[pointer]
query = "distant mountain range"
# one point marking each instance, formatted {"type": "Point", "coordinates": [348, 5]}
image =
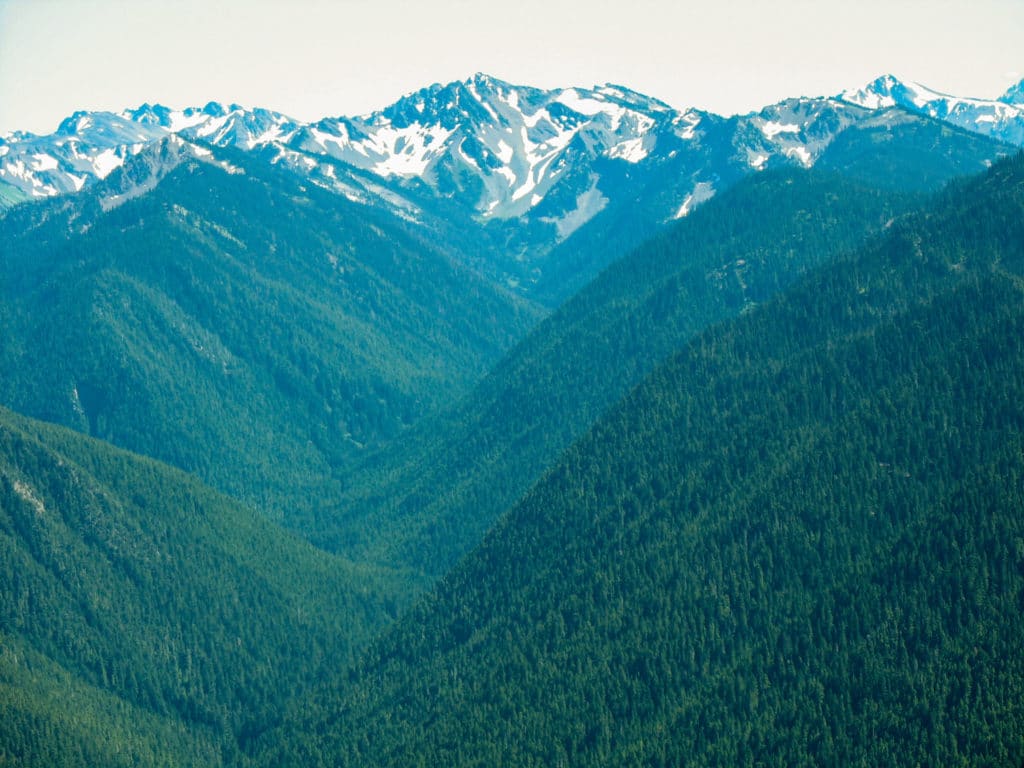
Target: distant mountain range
{"type": "Point", "coordinates": [509, 145]}
{"type": "Point", "coordinates": [526, 167]}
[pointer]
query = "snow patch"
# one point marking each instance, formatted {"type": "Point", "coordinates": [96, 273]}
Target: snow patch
{"type": "Point", "coordinates": [526, 188]}
{"type": "Point", "coordinates": [756, 160]}
{"type": "Point", "coordinates": [512, 99]}
{"type": "Point", "coordinates": [405, 152]}
{"type": "Point", "coordinates": [771, 129]}
{"type": "Point", "coordinates": [44, 163]}
{"type": "Point", "coordinates": [179, 121]}
{"type": "Point", "coordinates": [868, 99]}
{"type": "Point", "coordinates": [631, 150]}
{"type": "Point", "coordinates": [105, 162]}
{"type": "Point", "coordinates": [506, 173]}
{"type": "Point", "coordinates": [212, 126]}
{"type": "Point", "coordinates": [531, 121]}
{"type": "Point", "coordinates": [686, 125]}
{"type": "Point", "coordinates": [702, 192]}
{"type": "Point", "coordinates": [504, 152]}
{"type": "Point", "coordinates": [588, 205]}
{"type": "Point", "coordinates": [15, 169]}
{"type": "Point", "coordinates": [799, 153]}
{"type": "Point", "coordinates": [229, 167]}
{"type": "Point", "coordinates": [572, 99]}
{"type": "Point", "coordinates": [584, 106]}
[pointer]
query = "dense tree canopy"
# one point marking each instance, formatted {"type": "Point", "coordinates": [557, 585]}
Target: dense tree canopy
{"type": "Point", "coordinates": [243, 327]}
{"type": "Point", "coordinates": [147, 620]}
{"type": "Point", "coordinates": [429, 500]}
{"type": "Point", "coordinates": [798, 542]}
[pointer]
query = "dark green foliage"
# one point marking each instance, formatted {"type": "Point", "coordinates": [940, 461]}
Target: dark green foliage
{"type": "Point", "coordinates": [798, 542]}
{"type": "Point", "coordinates": [146, 618]}
{"type": "Point", "coordinates": [50, 717]}
{"type": "Point", "coordinates": [239, 326]}
{"type": "Point", "coordinates": [897, 150]}
{"type": "Point", "coordinates": [431, 499]}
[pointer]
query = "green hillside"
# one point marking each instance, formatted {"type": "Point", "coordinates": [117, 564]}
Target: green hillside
{"type": "Point", "coordinates": [240, 326]}
{"type": "Point", "coordinates": [430, 499]}
{"type": "Point", "coordinates": [798, 542]}
{"type": "Point", "coordinates": [898, 150]}
{"type": "Point", "coordinates": [147, 620]}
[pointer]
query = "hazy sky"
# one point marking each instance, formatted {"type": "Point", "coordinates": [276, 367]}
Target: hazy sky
{"type": "Point", "coordinates": [314, 58]}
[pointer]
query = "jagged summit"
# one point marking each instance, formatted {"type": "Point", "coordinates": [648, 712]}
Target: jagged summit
{"type": "Point", "coordinates": [878, 94]}
{"type": "Point", "coordinates": [447, 105]}
{"type": "Point", "coordinates": [76, 122]}
{"type": "Point", "coordinates": [628, 96]}
{"type": "Point", "coordinates": [891, 91]}
{"type": "Point", "coordinates": [500, 147]}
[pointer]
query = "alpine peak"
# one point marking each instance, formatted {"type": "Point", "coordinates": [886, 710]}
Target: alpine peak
{"type": "Point", "coordinates": [881, 93]}
{"type": "Point", "coordinates": [1002, 119]}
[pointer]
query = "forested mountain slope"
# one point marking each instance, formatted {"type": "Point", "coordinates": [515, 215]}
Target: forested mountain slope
{"type": "Point", "coordinates": [146, 620]}
{"type": "Point", "coordinates": [219, 315]}
{"type": "Point", "coordinates": [429, 499]}
{"type": "Point", "coordinates": [798, 542]}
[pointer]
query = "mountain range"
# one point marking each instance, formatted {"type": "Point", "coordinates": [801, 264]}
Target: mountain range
{"type": "Point", "coordinates": [509, 145]}
{"type": "Point", "coordinates": [524, 168]}
{"type": "Point", "coordinates": [508, 426]}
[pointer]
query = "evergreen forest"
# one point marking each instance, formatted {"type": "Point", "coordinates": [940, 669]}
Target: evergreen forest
{"type": "Point", "coordinates": [799, 541]}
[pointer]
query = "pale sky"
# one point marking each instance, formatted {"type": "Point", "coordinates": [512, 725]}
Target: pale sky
{"type": "Point", "coordinates": [317, 58]}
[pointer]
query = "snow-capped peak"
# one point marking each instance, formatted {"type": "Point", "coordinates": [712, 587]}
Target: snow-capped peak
{"type": "Point", "coordinates": [484, 83]}
{"type": "Point", "coordinates": [75, 123]}
{"type": "Point", "coordinates": [446, 105]}
{"type": "Point", "coordinates": [515, 141]}
{"type": "Point", "coordinates": [142, 172]}
{"type": "Point", "coordinates": [882, 93]}
{"type": "Point", "coordinates": [171, 119]}
{"type": "Point", "coordinates": [1002, 119]}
